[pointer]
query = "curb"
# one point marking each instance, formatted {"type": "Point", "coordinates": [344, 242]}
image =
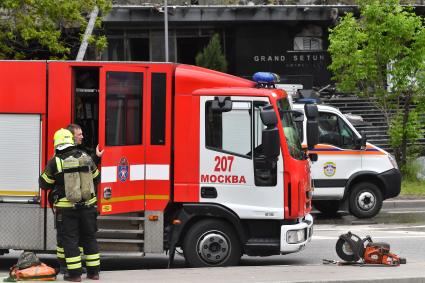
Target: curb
{"type": "Point", "coordinates": [373, 280]}
{"type": "Point", "coordinates": [413, 203]}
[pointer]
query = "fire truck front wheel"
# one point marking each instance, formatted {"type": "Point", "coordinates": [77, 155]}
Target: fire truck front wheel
{"type": "Point", "coordinates": [365, 200]}
{"type": "Point", "coordinates": [211, 243]}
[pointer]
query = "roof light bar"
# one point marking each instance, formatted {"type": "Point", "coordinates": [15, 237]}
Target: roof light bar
{"type": "Point", "coordinates": [266, 79]}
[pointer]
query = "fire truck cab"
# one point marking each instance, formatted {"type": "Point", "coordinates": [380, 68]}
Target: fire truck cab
{"type": "Point", "coordinates": [194, 158]}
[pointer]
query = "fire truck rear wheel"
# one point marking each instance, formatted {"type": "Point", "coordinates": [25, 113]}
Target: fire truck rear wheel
{"type": "Point", "coordinates": [365, 200]}
{"type": "Point", "coordinates": [211, 243]}
{"type": "Point", "coordinates": [327, 207]}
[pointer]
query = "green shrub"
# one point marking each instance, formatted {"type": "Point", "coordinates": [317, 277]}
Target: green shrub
{"type": "Point", "coordinates": [212, 57]}
{"type": "Point", "coordinates": [410, 170]}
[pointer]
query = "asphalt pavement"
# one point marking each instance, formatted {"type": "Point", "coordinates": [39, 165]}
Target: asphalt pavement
{"type": "Point", "coordinates": [410, 272]}
{"type": "Point", "coordinates": [407, 273]}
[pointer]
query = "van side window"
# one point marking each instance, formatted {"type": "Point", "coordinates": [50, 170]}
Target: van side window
{"type": "Point", "coordinates": [347, 135]}
{"type": "Point", "coordinates": [229, 131]}
{"type": "Point", "coordinates": [124, 96]}
{"type": "Point", "coordinates": [334, 131]}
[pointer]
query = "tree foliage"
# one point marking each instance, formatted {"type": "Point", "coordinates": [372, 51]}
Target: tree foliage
{"type": "Point", "coordinates": [212, 57]}
{"type": "Point", "coordinates": [381, 55]}
{"type": "Point", "coordinates": [42, 29]}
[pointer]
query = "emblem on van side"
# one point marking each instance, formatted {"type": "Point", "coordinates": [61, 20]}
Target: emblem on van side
{"type": "Point", "coordinates": [123, 169]}
{"type": "Point", "coordinates": [329, 169]}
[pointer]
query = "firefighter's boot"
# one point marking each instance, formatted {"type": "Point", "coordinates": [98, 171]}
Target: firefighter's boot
{"type": "Point", "coordinates": [70, 278]}
{"type": "Point", "coordinates": [93, 276]}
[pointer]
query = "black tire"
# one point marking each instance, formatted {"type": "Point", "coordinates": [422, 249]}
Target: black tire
{"type": "Point", "coordinates": [327, 207]}
{"type": "Point", "coordinates": [351, 250]}
{"type": "Point", "coordinates": [211, 243]}
{"type": "Point", "coordinates": [365, 200]}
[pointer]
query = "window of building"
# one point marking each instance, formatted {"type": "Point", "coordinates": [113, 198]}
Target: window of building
{"type": "Point", "coordinates": [116, 49]}
{"type": "Point", "coordinates": [139, 49]}
{"type": "Point", "coordinates": [307, 43]}
{"type": "Point", "coordinates": [188, 48]}
{"type": "Point", "coordinates": [124, 99]}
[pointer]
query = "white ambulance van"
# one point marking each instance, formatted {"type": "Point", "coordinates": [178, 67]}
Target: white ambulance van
{"type": "Point", "coordinates": [349, 174]}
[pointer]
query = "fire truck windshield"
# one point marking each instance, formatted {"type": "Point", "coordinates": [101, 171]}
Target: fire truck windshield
{"type": "Point", "coordinates": [290, 130]}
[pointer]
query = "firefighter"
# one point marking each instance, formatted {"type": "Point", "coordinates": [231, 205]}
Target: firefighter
{"type": "Point", "coordinates": [96, 155]}
{"type": "Point", "coordinates": [76, 130]}
{"type": "Point", "coordinates": [72, 184]}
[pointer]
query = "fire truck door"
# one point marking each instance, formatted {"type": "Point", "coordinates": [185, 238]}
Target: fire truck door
{"type": "Point", "coordinates": [230, 162]}
{"type": "Point", "coordinates": [122, 136]}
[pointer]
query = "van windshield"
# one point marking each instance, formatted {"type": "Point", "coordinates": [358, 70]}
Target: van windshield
{"type": "Point", "coordinates": [290, 130]}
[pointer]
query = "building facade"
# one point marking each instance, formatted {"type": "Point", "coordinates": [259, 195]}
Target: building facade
{"type": "Point", "coordinates": [290, 40]}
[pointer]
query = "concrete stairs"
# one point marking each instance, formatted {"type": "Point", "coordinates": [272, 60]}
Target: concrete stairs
{"type": "Point", "coordinates": [374, 125]}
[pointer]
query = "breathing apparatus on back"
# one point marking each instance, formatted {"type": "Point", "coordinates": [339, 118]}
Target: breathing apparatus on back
{"type": "Point", "coordinates": [76, 168]}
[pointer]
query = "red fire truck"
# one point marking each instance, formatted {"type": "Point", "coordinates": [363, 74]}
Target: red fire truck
{"type": "Point", "coordinates": [194, 159]}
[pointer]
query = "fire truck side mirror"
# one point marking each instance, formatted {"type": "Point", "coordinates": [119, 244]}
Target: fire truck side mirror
{"type": "Point", "coordinates": [311, 112]}
{"type": "Point", "coordinates": [271, 143]}
{"type": "Point", "coordinates": [221, 104]}
{"type": "Point", "coordinates": [270, 134]}
{"type": "Point", "coordinates": [312, 134]}
{"type": "Point", "coordinates": [268, 116]}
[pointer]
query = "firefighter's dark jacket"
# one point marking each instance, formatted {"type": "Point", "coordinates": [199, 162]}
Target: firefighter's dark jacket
{"type": "Point", "coordinates": [53, 179]}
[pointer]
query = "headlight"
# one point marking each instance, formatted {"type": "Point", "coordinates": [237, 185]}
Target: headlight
{"type": "Point", "coordinates": [296, 236]}
{"type": "Point", "coordinates": [392, 160]}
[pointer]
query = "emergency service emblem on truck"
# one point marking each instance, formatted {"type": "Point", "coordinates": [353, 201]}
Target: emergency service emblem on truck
{"type": "Point", "coordinates": [123, 169]}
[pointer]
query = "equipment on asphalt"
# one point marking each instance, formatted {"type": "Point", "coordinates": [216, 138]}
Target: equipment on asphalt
{"type": "Point", "coordinates": [29, 267]}
{"type": "Point", "coordinates": [352, 249]}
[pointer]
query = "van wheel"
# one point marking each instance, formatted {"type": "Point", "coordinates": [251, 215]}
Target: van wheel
{"type": "Point", "coordinates": [365, 200]}
{"type": "Point", "coordinates": [211, 243]}
{"type": "Point", "coordinates": [327, 207]}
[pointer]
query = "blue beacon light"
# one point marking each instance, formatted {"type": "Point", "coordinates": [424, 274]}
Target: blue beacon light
{"type": "Point", "coordinates": [265, 79]}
